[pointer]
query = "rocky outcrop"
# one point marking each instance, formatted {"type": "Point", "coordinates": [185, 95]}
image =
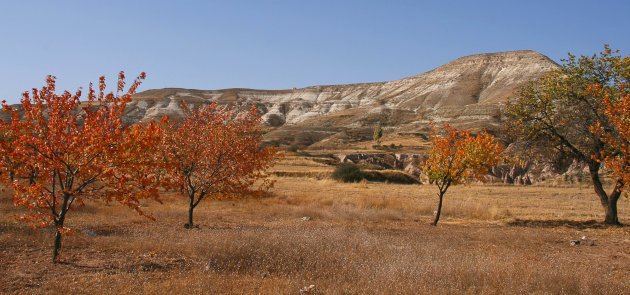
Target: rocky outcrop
{"type": "Point", "coordinates": [408, 162]}
{"type": "Point", "coordinates": [525, 173]}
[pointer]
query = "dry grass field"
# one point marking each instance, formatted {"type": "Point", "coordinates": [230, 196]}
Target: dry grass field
{"type": "Point", "coordinates": [359, 238]}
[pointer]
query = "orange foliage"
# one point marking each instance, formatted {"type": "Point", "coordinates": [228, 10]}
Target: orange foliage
{"type": "Point", "coordinates": [59, 151]}
{"type": "Point", "coordinates": [617, 112]}
{"type": "Point", "coordinates": [215, 153]}
{"type": "Point", "coordinates": [458, 158]}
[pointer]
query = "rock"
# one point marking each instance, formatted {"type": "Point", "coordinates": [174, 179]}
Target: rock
{"type": "Point", "coordinates": [307, 289]}
{"type": "Point", "coordinates": [307, 218]}
{"type": "Point", "coordinates": [582, 242]}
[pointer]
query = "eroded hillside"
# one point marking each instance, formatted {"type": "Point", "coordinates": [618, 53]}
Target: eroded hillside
{"type": "Point", "coordinates": [468, 93]}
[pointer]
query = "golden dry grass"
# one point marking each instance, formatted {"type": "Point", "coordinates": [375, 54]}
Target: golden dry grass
{"type": "Point", "coordinates": [364, 238]}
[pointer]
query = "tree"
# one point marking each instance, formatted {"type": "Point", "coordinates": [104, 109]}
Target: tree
{"type": "Point", "coordinates": [459, 158]}
{"type": "Point", "coordinates": [554, 115]}
{"type": "Point", "coordinates": [378, 133]}
{"type": "Point", "coordinates": [59, 151]}
{"type": "Point", "coordinates": [617, 111]}
{"type": "Point", "coordinates": [215, 153]}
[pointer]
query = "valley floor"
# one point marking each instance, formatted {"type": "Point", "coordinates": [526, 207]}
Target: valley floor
{"type": "Point", "coordinates": [359, 238]}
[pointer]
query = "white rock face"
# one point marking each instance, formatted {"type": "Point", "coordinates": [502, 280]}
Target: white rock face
{"type": "Point", "coordinates": [484, 79]}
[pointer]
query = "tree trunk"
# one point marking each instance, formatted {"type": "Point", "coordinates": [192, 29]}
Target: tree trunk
{"type": "Point", "coordinates": [439, 210]}
{"type": "Point", "coordinates": [56, 246]}
{"type": "Point", "coordinates": [190, 217]}
{"type": "Point", "coordinates": [608, 201]}
{"type": "Point", "coordinates": [611, 213]}
{"type": "Point", "coordinates": [191, 207]}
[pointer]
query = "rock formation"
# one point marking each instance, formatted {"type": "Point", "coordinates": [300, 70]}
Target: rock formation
{"type": "Point", "coordinates": [468, 92]}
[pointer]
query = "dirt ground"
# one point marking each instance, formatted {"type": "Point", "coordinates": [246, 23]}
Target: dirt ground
{"type": "Point", "coordinates": [360, 238]}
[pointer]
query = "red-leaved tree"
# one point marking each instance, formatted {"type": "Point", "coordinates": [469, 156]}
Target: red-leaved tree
{"type": "Point", "coordinates": [215, 153]}
{"type": "Point", "coordinates": [59, 151]}
{"type": "Point", "coordinates": [459, 158]}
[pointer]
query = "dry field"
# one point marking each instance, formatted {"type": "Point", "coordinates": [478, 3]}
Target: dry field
{"type": "Point", "coordinates": [362, 238]}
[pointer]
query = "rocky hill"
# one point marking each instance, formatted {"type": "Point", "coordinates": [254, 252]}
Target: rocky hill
{"type": "Point", "coordinates": [468, 92]}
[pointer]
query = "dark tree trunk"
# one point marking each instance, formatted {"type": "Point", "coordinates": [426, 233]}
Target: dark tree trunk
{"type": "Point", "coordinates": [439, 210]}
{"type": "Point", "coordinates": [190, 217]}
{"type": "Point", "coordinates": [608, 201]}
{"type": "Point", "coordinates": [56, 246]}
{"type": "Point", "coordinates": [611, 213]}
{"type": "Point", "coordinates": [59, 225]}
{"type": "Point", "coordinates": [191, 207]}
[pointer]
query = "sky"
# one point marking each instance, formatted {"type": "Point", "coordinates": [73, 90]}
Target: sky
{"type": "Point", "coordinates": [282, 44]}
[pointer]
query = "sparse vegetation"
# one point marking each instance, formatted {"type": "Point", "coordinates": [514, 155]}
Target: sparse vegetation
{"type": "Point", "coordinates": [363, 238]}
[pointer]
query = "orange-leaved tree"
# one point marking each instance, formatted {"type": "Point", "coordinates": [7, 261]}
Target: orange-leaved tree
{"type": "Point", "coordinates": [59, 151]}
{"type": "Point", "coordinates": [458, 158]}
{"type": "Point", "coordinates": [617, 111]}
{"type": "Point", "coordinates": [215, 153]}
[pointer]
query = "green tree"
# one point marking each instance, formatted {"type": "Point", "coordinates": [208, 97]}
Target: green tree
{"type": "Point", "coordinates": [555, 113]}
{"type": "Point", "coordinates": [378, 133]}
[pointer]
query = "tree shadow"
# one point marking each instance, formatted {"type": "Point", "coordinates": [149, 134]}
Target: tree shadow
{"type": "Point", "coordinates": [143, 265]}
{"type": "Point", "coordinates": [79, 266]}
{"type": "Point", "coordinates": [552, 223]}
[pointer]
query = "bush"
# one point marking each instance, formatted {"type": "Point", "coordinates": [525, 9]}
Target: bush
{"type": "Point", "coordinates": [293, 148]}
{"type": "Point", "coordinates": [347, 172]}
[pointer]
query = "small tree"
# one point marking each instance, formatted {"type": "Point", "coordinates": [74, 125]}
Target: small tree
{"type": "Point", "coordinates": [458, 158]}
{"type": "Point", "coordinates": [215, 153]}
{"type": "Point", "coordinates": [554, 115]}
{"type": "Point", "coordinates": [378, 133]}
{"type": "Point", "coordinates": [59, 151]}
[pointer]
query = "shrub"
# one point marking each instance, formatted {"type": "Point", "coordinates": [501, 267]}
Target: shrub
{"type": "Point", "coordinates": [293, 148]}
{"type": "Point", "coordinates": [347, 172]}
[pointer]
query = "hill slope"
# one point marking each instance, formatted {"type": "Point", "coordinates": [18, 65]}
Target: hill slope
{"type": "Point", "coordinates": [467, 92]}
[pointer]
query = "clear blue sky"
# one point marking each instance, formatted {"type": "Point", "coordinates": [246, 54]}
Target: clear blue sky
{"type": "Point", "coordinates": [283, 44]}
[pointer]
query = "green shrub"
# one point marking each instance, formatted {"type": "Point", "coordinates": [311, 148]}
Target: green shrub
{"type": "Point", "coordinates": [347, 172]}
{"type": "Point", "coordinates": [293, 148]}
